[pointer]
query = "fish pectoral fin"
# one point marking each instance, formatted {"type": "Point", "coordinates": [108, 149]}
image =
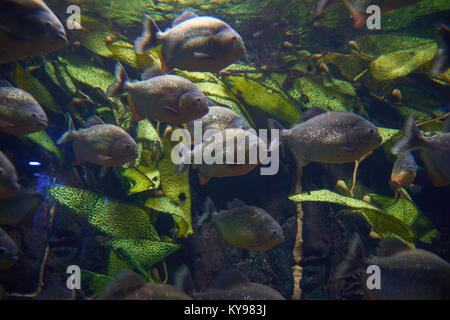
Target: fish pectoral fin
{"type": "Point", "coordinates": [102, 157]}
{"type": "Point", "coordinates": [171, 109]}
{"type": "Point", "coordinates": [136, 116]}
{"type": "Point", "coordinates": [6, 124]}
{"type": "Point", "coordinates": [348, 149]}
{"type": "Point", "coordinates": [254, 244]}
{"type": "Point", "coordinates": [202, 55]}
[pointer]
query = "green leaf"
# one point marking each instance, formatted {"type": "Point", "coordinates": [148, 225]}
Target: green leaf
{"type": "Point", "coordinates": [140, 179]}
{"type": "Point", "coordinates": [144, 252]}
{"type": "Point", "coordinates": [115, 219]}
{"type": "Point", "coordinates": [176, 187]}
{"type": "Point", "coordinates": [383, 223]}
{"type": "Point", "coordinates": [24, 80]}
{"type": "Point", "coordinates": [42, 139]}
{"type": "Point", "coordinates": [406, 211]}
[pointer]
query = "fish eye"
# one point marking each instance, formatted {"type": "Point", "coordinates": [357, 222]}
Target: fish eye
{"type": "Point", "coordinates": [127, 147]}
{"type": "Point", "coordinates": [199, 100]}
{"type": "Point", "coordinates": [1, 172]}
{"type": "Point", "coordinates": [274, 232]}
{"type": "Point", "coordinates": [2, 251]}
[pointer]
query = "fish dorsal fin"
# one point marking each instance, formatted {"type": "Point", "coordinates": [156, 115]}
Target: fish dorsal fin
{"type": "Point", "coordinates": [311, 113]}
{"type": "Point", "coordinates": [5, 83]}
{"type": "Point", "coordinates": [391, 246]}
{"type": "Point", "coordinates": [124, 282]}
{"type": "Point", "coordinates": [229, 278]}
{"type": "Point", "coordinates": [186, 15]}
{"type": "Point", "coordinates": [94, 120]}
{"type": "Point", "coordinates": [235, 203]}
{"type": "Point", "coordinates": [150, 72]}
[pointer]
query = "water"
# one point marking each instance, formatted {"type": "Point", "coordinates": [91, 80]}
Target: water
{"type": "Point", "coordinates": [97, 205]}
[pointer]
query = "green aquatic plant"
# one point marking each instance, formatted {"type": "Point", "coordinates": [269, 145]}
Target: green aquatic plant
{"type": "Point", "coordinates": [263, 98]}
{"type": "Point", "coordinates": [56, 72]}
{"type": "Point", "coordinates": [42, 139]}
{"type": "Point", "coordinates": [127, 227]}
{"type": "Point", "coordinates": [216, 90]}
{"type": "Point", "coordinates": [383, 223]}
{"type": "Point", "coordinates": [140, 179]}
{"type": "Point", "coordinates": [81, 70]}
{"type": "Point", "coordinates": [399, 19]}
{"type": "Point", "coordinates": [24, 80]}
{"type": "Point", "coordinates": [114, 219]}
{"type": "Point", "coordinates": [176, 187]}
{"type": "Point", "coordinates": [403, 62]}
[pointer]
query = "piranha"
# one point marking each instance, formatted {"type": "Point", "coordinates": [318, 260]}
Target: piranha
{"type": "Point", "coordinates": [434, 151]}
{"type": "Point", "coordinates": [128, 285]}
{"type": "Point", "coordinates": [218, 118]}
{"type": "Point", "coordinates": [193, 43]}
{"type": "Point", "coordinates": [103, 144]}
{"type": "Point", "coordinates": [244, 226]}
{"type": "Point", "coordinates": [229, 285]}
{"type": "Point", "coordinates": [230, 152]}
{"type": "Point", "coordinates": [166, 98]}
{"type": "Point", "coordinates": [404, 172]}
{"type": "Point", "coordinates": [9, 186]}
{"type": "Point", "coordinates": [330, 137]}
{"type": "Point", "coordinates": [8, 251]}
{"type": "Point", "coordinates": [405, 273]}
{"type": "Point", "coordinates": [358, 8]}
{"type": "Point", "coordinates": [20, 113]}
{"type": "Point", "coordinates": [28, 28]}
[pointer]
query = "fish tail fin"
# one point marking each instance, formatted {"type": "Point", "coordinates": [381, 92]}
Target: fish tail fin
{"type": "Point", "coordinates": [148, 37]}
{"type": "Point", "coordinates": [412, 140]}
{"type": "Point", "coordinates": [273, 124]}
{"type": "Point", "coordinates": [69, 134]}
{"type": "Point", "coordinates": [182, 280]}
{"type": "Point", "coordinates": [119, 85]}
{"type": "Point", "coordinates": [210, 210]}
{"type": "Point", "coordinates": [353, 261]}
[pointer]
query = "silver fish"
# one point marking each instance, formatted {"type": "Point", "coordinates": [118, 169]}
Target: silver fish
{"type": "Point", "coordinates": [193, 43]}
